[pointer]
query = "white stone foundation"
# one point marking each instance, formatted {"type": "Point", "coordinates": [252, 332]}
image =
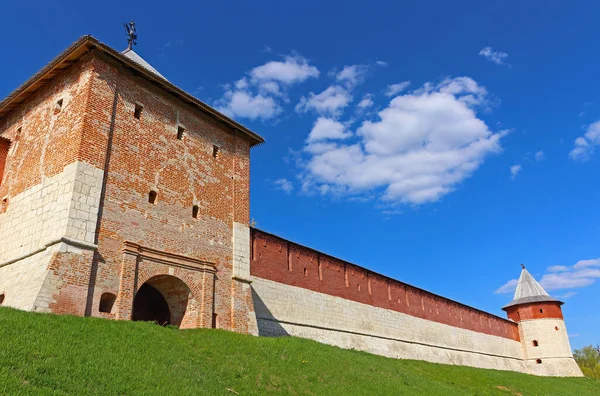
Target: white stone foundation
{"type": "Point", "coordinates": [288, 310]}
{"type": "Point", "coordinates": [59, 214]}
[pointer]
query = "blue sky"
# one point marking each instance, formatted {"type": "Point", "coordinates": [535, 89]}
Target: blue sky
{"type": "Point", "coordinates": [440, 144]}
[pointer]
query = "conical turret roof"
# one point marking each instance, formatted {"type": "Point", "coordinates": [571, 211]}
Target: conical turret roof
{"type": "Point", "coordinates": [529, 291]}
{"type": "Point", "coordinates": [131, 54]}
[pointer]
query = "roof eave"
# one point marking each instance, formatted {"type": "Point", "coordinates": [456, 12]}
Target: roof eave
{"type": "Point", "coordinates": [527, 301]}
{"type": "Point", "coordinates": [74, 52]}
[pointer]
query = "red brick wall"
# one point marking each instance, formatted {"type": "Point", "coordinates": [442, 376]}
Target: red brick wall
{"type": "Point", "coordinates": [279, 260]}
{"type": "Point", "coordinates": [45, 140]}
{"type": "Point", "coordinates": [540, 310]}
{"type": "Point", "coordinates": [146, 155]}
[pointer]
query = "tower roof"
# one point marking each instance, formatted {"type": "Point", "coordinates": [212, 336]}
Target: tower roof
{"type": "Point", "coordinates": [131, 54]}
{"type": "Point", "coordinates": [529, 291]}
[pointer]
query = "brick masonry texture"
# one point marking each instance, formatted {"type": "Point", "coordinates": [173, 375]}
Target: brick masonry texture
{"type": "Point", "coordinates": [282, 261]}
{"type": "Point", "coordinates": [81, 173]}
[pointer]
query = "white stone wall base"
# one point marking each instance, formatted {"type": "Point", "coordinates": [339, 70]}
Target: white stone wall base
{"type": "Point", "coordinates": [284, 310]}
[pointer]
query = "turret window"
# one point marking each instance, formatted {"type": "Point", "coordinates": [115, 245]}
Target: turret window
{"type": "Point", "coordinates": [195, 211]}
{"type": "Point", "coordinates": [180, 132]}
{"type": "Point", "coordinates": [536, 343]}
{"type": "Point", "coordinates": [152, 197]}
{"type": "Point", "coordinates": [541, 310]}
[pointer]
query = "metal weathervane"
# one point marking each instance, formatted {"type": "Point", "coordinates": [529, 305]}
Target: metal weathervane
{"type": "Point", "coordinates": [131, 34]}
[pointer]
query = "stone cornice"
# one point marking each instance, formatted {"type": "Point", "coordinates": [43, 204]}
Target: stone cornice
{"type": "Point", "coordinates": [172, 259]}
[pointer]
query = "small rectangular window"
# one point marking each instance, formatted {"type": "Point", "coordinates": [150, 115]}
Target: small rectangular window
{"type": "Point", "coordinates": [180, 131]}
{"type": "Point", "coordinates": [137, 113]}
{"type": "Point", "coordinates": [216, 151]}
{"type": "Point", "coordinates": [152, 197]}
{"type": "Point", "coordinates": [195, 211]}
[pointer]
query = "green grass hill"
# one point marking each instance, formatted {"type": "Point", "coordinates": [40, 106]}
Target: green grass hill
{"type": "Point", "coordinates": [64, 355]}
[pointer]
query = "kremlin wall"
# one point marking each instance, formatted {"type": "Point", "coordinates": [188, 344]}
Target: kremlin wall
{"type": "Point", "coordinates": [125, 198]}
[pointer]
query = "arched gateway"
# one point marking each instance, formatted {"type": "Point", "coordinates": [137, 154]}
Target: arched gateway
{"type": "Point", "coordinates": [163, 299]}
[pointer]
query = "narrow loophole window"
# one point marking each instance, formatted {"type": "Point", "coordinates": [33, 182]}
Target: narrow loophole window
{"type": "Point", "coordinates": [107, 301]}
{"type": "Point", "coordinates": [180, 132]}
{"type": "Point", "coordinates": [536, 343]}
{"type": "Point", "coordinates": [539, 361]}
{"type": "Point", "coordinates": [556, 328]}
{"type": "Point", "coordinates": [215, 321]}
{"type": "Point", "coordinates": [305, 272]}
{"type": "Point", "coordinates": [137, 113]}
{"type": "Point", "coordinates": [195, 211]}
{"type": "Point", "coordinates": [4, 205]}
{"type": "Point", "coordinates": [152, 197]}
{"type": "Point", "coordinates": [216, 151]}
{"type": "Point", "coordinates": [58, 106]}
{"type": "Point", "coordinates": [2, 298]}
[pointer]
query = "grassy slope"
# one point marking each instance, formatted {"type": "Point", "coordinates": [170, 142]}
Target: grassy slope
{"type": "Point", "coordinates": [48, 354]}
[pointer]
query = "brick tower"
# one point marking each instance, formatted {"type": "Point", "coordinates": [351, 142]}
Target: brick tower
{"type": "Point", "coordinates": [122, 196]}
{"type": "Point", "coordinates": [546, 347]}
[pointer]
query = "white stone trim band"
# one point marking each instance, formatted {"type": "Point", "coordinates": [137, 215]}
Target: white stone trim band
{"type": "Point", "coordinates": [66, 240]}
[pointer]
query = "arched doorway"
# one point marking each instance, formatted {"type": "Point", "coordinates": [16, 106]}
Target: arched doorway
{"type": "Point", "coordinates": [150, 306]}
{"type": "Point", "coordinates": [163, 299]}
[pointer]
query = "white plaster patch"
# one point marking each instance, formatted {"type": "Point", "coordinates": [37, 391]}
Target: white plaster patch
{"type": "Point", "coordinates": [63, 205]}
{"type": "Point", "coordinates": [241, 251]}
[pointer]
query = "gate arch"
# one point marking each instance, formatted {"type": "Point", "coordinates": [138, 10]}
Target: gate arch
{"type": "Point", "coordinates": [166, 300]}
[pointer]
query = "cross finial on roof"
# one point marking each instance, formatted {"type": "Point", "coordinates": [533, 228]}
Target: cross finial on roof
{"type": "Point", "coordinates": [131, 34]}
{"type": "Point", "coordinates": [523, 266]}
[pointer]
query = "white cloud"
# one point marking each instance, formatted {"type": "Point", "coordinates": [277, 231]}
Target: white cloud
{"type": "Point", "coordinates": [558, 277]}
{"type": "Point", "coordinates": [558, 268]}
{"type": "Point", "coordinates": [366, 102]}
{"type": "Point", "coordinates": [424, 144]}
{"type": "Point", "coordinates": [540, 156]}
{"type": "Point", "coordinates": [508, 287]}
{"type": "Point", "coordinates": [394, 89]}
{"type": "Point", "coordinates": [285, 185]}
{"type": "Point", "coordinates": [331, 101]}
{"type": "Point", "coordinates": [352, 75]}
{"type": "Point", "coordinates": [586, 145]}
{"type": "Point", "coordinates": [327, 129]}
{"type": "Point", "coordinates": [496, 57]}
{"type": "Point", "coordinates": [587, 263]}
{"type": "Point", "coordinates": [293, 69]}
{"type": "Point", "coordinates": [381, 63]}
{"type": "Point", "coordinates": [260, 94]}
{"type": "Point", "coordinates": [245, 104]}
{"type": "Point", "coordinates": [567, 295]}
{"type": "Point", "coordinates": [514, 171]}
